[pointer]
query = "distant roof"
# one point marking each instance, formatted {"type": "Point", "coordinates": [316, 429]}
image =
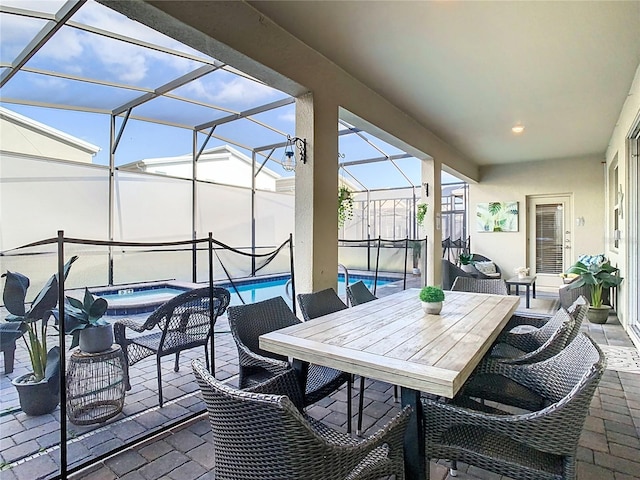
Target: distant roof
{"type": "Point", "coordinates": [211, 154]}
{"type": "Point", "coordinates": [48, 131]}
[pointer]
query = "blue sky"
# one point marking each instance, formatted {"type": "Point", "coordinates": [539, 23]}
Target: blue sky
{"type": "Point", "coordinates": [113, 64]}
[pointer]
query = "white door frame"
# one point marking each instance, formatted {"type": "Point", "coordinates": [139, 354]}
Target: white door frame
{"type": "Point", "coordinates": [632, 212]}
{"type": "Point", "coordinates": [544, 279]}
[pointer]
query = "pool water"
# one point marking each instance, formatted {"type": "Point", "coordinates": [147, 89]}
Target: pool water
{"type": "Point", "coordinates": [133, 301]}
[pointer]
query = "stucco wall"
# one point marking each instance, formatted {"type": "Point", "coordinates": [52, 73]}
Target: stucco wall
{"type": "Point", "coordinates": [582, 178]}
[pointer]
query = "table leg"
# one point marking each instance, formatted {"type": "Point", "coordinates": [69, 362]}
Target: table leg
{"type": "Point", "coordinates": [527, 293]}
{"type": "Point", "coordinates": [414, 461]}
{"type": "Point", "coordinates": [533, 285]}
{"type": "Point", "coordinates": [302, 369]}
{"type": "Point", "coordinates": [517, 289]}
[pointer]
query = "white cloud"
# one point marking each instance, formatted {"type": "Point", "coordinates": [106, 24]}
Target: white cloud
{"type": "Point", "coordinates": [288, 117]}
{"type": "Point", "coordinates": [235, 92]}
{"type": "Point", "coordinates": [66, 45]}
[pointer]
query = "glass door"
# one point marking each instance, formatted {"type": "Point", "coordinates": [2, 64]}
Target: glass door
{"type": "Point", "coordinates": [549, 238]}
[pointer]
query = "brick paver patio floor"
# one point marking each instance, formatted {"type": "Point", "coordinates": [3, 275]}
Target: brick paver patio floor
{"type": "Point", "coordinates": [609, 446]}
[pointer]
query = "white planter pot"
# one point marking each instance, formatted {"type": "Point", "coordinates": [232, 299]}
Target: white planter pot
{"type": "Point", "coordinates": [468, 268]}
{"type": "Point", "coordinates": [432, 308]}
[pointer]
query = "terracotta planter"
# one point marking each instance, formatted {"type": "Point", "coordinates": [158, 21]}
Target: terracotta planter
{"type": "Point", "coordinates": [35, 398]}
{"type": "Point", "coordinates": [432, 308]}
{"type": "Point", "coordinates": [598, 314]}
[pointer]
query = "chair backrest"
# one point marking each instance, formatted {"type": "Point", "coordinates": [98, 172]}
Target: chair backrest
{"type": "Point", "coordinates": [358, 293]}
{"type": "Point", "coordinates": [248, 322]}
{"type": "Point", "coordinates": [257, 435]}
{"type": "Point", "coordinates": [545, 332]}
{"type": "Point", "coordinates": [314, 305]}
{"type": "Point", "coordinates": [578, 310]}
{"type": "Point", "coordinates": [186, 318]}
{"type": "Point", "coordinates": [450, 272]}
{"type": "Point", "coordinates": [552, 345]}
{"type": "Point", "coordinates": [495, 286]}
{"type": "Point", "coordinates": [580, 363]}
{"type": "Point", "coordinates": [568, 294]}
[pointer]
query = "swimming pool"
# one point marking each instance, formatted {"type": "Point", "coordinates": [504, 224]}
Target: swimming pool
{"type": "Point", "coordinates": [138, 299]}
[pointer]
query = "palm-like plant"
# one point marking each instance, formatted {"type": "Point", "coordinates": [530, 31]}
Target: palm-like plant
{"type": "Point", "coordinates": [597, 272]}
{"type": "Point", "coordinates": [34, 316]}
{"type": "Point", "coordinates": [83, 314]}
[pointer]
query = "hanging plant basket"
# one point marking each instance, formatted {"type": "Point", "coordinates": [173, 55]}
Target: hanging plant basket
{"type": "Point", "coordinates": [345, 205]}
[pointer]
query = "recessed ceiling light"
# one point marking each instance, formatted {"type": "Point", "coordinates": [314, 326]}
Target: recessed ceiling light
{"type": "Point", "coordinates": [517, 129]}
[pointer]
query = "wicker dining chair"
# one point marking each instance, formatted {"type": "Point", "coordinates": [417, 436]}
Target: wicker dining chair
{"type": "Point", "coordinates": [487, 383]}
{"type": "Point", "coordinates": [248, 322]}
{"type": "Point", "coordinates": [536, 445]}
{"type": "Point", "coordinates": [264, 436]}
{"type": "Point", "coordinates": [324, 302]}
{"type": "Point", "coordinates": [358, 293]}
{"type": "Point", "coordinates": [450, 272]}
{"type": "Point", "coordinates": [494, 286]}
{"type": "Point", "coordinates": [182, 323]}
{"type": "Point", "coordinates": [578, 310]}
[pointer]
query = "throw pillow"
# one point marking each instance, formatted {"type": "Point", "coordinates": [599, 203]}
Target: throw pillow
{"type": "Point", "coordinates": [488, 268]}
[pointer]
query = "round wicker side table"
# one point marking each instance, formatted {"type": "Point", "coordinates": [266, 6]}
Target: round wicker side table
{"type": "Point", "coordinates": [95, 386]}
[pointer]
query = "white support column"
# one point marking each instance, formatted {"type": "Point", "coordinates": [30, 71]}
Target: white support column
{"type": "Point", "coordinates": [316, 203]}
{"type": "Point", "coordinates": [431, 172]}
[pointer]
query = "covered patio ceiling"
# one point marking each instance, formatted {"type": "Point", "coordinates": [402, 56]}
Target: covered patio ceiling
{"type": "Point", "coordinates": [75, 65]}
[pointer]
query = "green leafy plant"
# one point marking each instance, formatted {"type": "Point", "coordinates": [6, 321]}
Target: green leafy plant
{"type": "Point", "coordinates": [86, 314]}
{"type": "Point", "coordinates": [345, 205]}
{"type": "Point", "coordinates": [35, 316]}
{"type": "Point", "coordinates": [431, 294]}
{"type": "Point", "coordinates": [421, 213]}
{"type": "Point", "coordinates": [597, 272]}
{"type": "Point", "coordinates": [466, 259]}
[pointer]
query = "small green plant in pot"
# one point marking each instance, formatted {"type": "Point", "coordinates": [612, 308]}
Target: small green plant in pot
{"type": "Point", "coordinates": [83, 320]}
{"type": "Point", "coordinates": [598, 273]}
{"type": "Point", "coordinates": [432, 298]}
{"type": "Point", "coordinates": [466, 262]}
{"type": "Point", "coordinates": [38, 391]}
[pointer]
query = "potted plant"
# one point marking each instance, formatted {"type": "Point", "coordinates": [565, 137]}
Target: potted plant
{"type": "Point", "coordinates": [521, 272]}
{"type": "Point", "coordinates": [83, 320]}
{"type": "Point", "coordinates": [38, 391]}
{"type": "Point", "coordinates": [432, 298]}
{"type": "Point", "coordinates": [421, 213]}
{"type": "Point", "coordinates": [345, 205]}
{"type": "Point", "coordinates": [466, 262]}
{"type": "Point", "coordinates": [598, 273]}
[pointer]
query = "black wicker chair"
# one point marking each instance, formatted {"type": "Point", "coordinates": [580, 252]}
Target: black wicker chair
{"type": "Point", "coordinates": [494, 286]}
{"type": "Point", "coordinates": [9, 333]}
{"type": "Point", "coordinates": [537, 445]}
{"type": "Point", "coordinates": [358, 293]}
{"type": "Point", "coordinates": [450, 272]}
{"type": "Point", "coordinates": [248, 322]}
{"type": "Point", "coordinates": [182, 323]}
{"type": "Point", "coordinates": [263, 436]}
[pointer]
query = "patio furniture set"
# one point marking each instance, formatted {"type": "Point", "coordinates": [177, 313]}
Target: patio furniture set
{"type": "Point", "coordinates": [445, 365]}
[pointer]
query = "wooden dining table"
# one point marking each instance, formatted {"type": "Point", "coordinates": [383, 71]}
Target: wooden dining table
{"type": "Point", "coordinates": [393, 340]}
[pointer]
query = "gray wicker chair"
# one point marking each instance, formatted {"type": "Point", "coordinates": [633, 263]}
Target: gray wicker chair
{"type": "Point", "coordinates": [450, 272]}
{"type": "Point", "coordinates": [537, 445]}
{"type": "Point", "coordinates": [248, 322]}
{"type": "Point", "coordinates": [494, 286]}
{"type": "Point", "coordinates": [487, 383]}
{"type": "Point", "coordinates": [182, 323]}
{"type": "Point", "coordinates": [358, 293]}
{"type": "Point", "coordinates": [535, 345]}
{"type": "Point", "coordinates": [476, 257]}
{"type": "Point", "coordinates": [578, 310]}
{"type": "Point", "coordinates": [263, 436]}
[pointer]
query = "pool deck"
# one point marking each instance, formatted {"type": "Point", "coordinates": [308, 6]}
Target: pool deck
{"type": "Point", "coordinates": [28, 445]}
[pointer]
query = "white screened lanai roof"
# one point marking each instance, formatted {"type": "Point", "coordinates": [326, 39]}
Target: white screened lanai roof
{"type": "Point", "coordinates": [75, 65]}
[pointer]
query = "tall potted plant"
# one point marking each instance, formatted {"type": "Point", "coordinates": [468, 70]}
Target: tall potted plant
{"type": "Point", "coordinates": [38, 391]}
{"type": "Point", "coordinates": [598, 273]}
